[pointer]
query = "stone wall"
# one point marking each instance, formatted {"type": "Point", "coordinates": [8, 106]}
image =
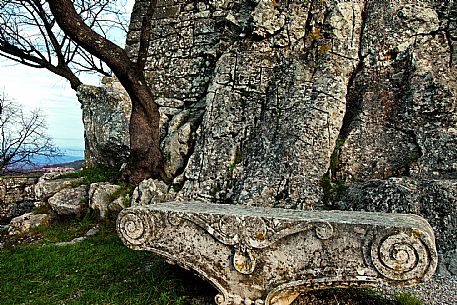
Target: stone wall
{"type": "Point", "coordinates": [16, 196]}
{"type": "Point", "coordinates": [53, 192]}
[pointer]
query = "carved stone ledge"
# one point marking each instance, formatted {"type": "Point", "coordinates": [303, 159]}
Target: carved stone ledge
{"type": "Point", "coordinates": [268, 256]}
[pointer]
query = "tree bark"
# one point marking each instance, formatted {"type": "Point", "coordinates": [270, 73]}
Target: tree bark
{"type": "Point", "coordinates": [146, 157]}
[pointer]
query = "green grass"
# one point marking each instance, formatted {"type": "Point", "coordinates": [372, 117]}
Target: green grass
{"type": "Point", "coordinates": [93, 174]}
{"type": "Point", "coordinates": [407, 299]}
{"type": "Point", "coordinates": [66, 229]}
{"type": "Point", "coordinates": [98, 270]}
{"type": "Point", "coordinates": [102, 270]}
{"type": "Point", "coordinates": [125, 191]}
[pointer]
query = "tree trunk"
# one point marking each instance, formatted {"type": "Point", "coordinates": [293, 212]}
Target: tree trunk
{"type": "Point", "coordinates": [145, 155]}
{"type": "Point", "coordinates": [146, 158]}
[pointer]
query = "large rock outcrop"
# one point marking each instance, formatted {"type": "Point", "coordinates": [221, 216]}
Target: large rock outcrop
{"type": "Point", "coordinates": [271, 79]}
{"type": "Point", "coordinates": [106, 115]}
{"type": "Point", "coordinates": [308, 104]}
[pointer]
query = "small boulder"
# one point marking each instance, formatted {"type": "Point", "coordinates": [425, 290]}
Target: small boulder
{"type": "Point", "coordinates": [152, 191]}
{"type": "Point", "coordinates": [48, 186]}
{"type": "Point", "coordinates": [71, 242]}
{"type": "Point", "coordinates": [100, 198]}
{"type": "Point", "coordinates": [25, 222]}
{"type": "Point", "coordinates": [92, 232]}
{"type": "Point", "coordinates": [69, 201]}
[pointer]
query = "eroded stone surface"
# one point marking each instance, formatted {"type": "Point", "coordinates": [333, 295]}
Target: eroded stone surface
{"type": "Point", "coordinates": [101, 198]}
{"type": "Point", "coordinates": [26, 221]}
{"type": "Point", "coordinates": [270, 85]}
{"type": "Point", "coordinates": [48, 185]}
{"type": "Point", "coordinates": [279, 82]}
{"type": "Point", "coordinates": [106, 117]}
{"type": "Point", "coordinates": [263, 73]}
{"type": "Point", "coordinates": [151, 191]}
{"type": "Point", "coordinates": [265, 256]}
{"type": "Point", "coordinates": [69, 201]}
{"type": "Point", "coordinates": [16, 196]}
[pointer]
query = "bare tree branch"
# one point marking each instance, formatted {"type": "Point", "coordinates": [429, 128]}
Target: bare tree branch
{"type": "Point", "coordinates": [146, 157]}
{"type": "Point", "coordinates": [23, 137]}
{"type": "Point", "coordinates": [67, 36]}
{"type": "Point", "coordinates": [29, 35]}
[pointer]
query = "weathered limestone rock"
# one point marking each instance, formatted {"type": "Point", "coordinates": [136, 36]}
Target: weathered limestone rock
{"type": "Point", "coordinates": [16, 196]}
{"type": "Point", "coordinates": [69, 201]}
{"type": "Point", "coordinates": [267, 256]}
{"type": "Point", "coordinates": [47, 185]}
{"type": "Point", "coordinates": [151, 191]}
{"type": "Point", "coordinates": [25, 222]}
{"type": "Point", "coordinates": [269, 87]}
{"type": "Point", "coordinates": [255, 93]}
{"type": "Point", "coordinates": [434, 199]}
{"type": "Point", "coordinates": [400, 122]}
{"type": "Point", "coordinates": [100, 198]}
{"type": "Point", "coordinates": [451, 261]}
{"type": "Point", "coordinates": [403, 98]}
{"type": "Point", "coordinates": [106, 117]}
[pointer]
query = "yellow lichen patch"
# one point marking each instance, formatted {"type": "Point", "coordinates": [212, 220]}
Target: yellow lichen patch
{"type": "Point", "coordinates": [324, 49]}
{"type": "Point", "coordinates": [260, 235]}
{"type": "Point", "coordinates": [316, 33]}
{"type": "Point", "coordinates": [416, 233]}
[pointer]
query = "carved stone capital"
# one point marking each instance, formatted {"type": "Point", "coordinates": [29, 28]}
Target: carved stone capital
{"type": "Point", "coordinates": [268, 256]}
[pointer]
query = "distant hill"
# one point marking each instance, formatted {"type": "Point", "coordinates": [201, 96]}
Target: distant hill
{"type": "Point", "coordinates": [40, 160]}
{"type": "Point", "coordinates": [77, 164]}
{"type": "Point", "coordinates": [43, 164]}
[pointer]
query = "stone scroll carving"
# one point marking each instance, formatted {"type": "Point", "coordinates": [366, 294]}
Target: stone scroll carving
{"type": "Point", "coordinates": [258, 256]}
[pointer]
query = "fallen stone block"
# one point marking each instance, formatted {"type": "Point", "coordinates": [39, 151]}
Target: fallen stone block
{"type": "Point", "coordinates": [100, 198]}
{"type": "Point", "coordinates": [69, 201]}
{"type": "Point", "coordinates": [48, 185]}
{"type": "Point", "coordinates": [24, 223]}
{"type": "Point", "coordinates": [256, 255]}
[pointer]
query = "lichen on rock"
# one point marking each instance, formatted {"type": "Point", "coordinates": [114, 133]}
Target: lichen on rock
{"type": "Point", "coordinates": [254, 97]}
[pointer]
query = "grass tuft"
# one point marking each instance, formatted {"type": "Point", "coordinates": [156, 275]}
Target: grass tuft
{"type": "Point", "coordinates": [407, 299]}
{"type": "Point", "coordinates": [125, 191]}
{"type": "Point", "coordinates": [92, 175]}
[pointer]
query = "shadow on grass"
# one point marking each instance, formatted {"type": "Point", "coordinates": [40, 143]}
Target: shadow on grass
{"type": "Point", "coordinates": [98, 270]}
{"type": "Point", "coordinates": [102, 270]}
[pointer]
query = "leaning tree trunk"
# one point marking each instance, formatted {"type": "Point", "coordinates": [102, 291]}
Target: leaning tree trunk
{"type": "Point", "coordinates": [146, 158]}
{"type": "Point", "coordinates": [145, 155]}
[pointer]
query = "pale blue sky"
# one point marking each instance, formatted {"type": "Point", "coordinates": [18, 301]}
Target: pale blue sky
{"type": "Point", "coordinates": [38, 88]}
